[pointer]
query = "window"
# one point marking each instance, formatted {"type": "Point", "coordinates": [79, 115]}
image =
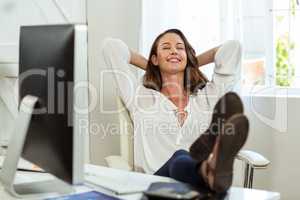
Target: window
{"type": "Point", "coordinates": [255, 37]}
{"type": "Point", "coordinates": [270, 43]}
{"type": "Point", "coordinates": [266, 28]}
{"type": "Point", "coordinates": [286, 16]}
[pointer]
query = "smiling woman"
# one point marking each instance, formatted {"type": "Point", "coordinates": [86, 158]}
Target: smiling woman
{"type": "Point", "coordinates": [172, 107]}
{"type": "Point", "coordinates": [171, 54]}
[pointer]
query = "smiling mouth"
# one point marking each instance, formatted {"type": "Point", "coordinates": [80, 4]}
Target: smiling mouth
{"type": "Point", "coordinates": [174, 60]}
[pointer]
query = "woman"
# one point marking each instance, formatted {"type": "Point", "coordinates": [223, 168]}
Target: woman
{"type": "Point", "coordinates": [174, 105]}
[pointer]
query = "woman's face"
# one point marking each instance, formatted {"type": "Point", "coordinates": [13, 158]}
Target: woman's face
{"type": "Point", "coordinates": [171, 54]}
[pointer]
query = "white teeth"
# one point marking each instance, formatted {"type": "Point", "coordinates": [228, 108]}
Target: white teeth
{"type": "Point", "coordinates": [174, 60]}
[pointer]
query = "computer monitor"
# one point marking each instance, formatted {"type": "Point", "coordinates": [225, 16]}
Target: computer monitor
{"type": "Point", "coordinates": [53, 82]}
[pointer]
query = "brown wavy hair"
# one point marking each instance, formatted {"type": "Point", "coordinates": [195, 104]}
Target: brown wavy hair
{"type": "Point", "coordinates": [194, 79]}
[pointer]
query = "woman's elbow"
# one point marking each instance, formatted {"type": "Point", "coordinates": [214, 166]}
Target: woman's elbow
{"type": "Point", "coordinates": [234, 45]}
{"type": "Point", "coordinates": [115, 47]}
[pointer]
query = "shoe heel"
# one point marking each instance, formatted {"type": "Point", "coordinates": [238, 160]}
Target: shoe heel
{"type": "Point", "coordinates": [223, 184]}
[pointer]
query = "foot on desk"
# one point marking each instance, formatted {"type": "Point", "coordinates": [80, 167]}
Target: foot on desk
{"type": "Point", "coordinates": [217, 170]}
{"type": "Point", "coordinates": [228, 105]}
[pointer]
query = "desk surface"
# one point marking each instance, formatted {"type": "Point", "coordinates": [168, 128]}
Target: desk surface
{"type": "Point", "coordinates": [234, 193]}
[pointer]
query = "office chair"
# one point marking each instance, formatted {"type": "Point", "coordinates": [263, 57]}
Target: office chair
{"type": "Point", "coordinates": [252, 160]}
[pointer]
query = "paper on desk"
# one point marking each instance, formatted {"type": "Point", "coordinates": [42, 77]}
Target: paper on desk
{"type": "Point", "coordinates": [23, 165]}
{"type": "Point", "coordinates": [92, 195]}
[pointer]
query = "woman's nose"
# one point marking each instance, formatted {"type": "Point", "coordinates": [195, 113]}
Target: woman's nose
{"type": "Point", "coordinates": [174, 51]}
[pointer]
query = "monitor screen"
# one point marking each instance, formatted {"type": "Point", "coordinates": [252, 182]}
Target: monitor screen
{"type": "Point", "coordinates": [47, 71]}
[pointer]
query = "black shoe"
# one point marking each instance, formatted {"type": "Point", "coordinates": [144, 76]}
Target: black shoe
{"type": "Point", "coordinates": [228, 143]}
{"type": "Point", "coordinates": [228, 105]}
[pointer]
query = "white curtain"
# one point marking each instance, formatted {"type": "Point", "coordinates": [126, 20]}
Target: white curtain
{"type": "Point", "coordinates": [231, 20]}
{"type": "Point", "coordinates": [157, 16]}
{"type": "Point", "coordinates": [231, 26]}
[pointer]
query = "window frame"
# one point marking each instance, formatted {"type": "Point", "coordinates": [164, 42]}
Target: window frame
{"type": "Point", "coordinates": [271, 50]}
{"type": "Point", "coordinates": [270, 88]}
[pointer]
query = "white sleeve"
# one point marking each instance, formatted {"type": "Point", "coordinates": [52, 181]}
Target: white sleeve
{"type": "Point", "coordinates": [227, 66]}
{"type": "Point", "coordinates": [116, 56]}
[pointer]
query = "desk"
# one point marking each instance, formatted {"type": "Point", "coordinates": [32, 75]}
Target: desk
{"type": "Point", "coordinates": [234, 193]}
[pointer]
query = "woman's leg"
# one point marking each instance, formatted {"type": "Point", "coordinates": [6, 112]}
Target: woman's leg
{"type": "Point", "coordinates": [182, 167]}
{"type": "Point", "coordinates": [165, 169]}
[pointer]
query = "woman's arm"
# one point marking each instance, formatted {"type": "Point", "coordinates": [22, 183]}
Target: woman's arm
{"type": "Point", "coordinates": [207, 57]}
{"type": "Point", "coordinates": [138, 60]}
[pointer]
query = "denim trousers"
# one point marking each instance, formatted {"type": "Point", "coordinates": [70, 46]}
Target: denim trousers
{"type": "Point", "coordinates": [182, 167]}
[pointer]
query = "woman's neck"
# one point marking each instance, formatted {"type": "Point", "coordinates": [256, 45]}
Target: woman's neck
{"type": "Point", "coordinates": [173, 88]}
{"type": "Point", "coordinates": [173, 85]}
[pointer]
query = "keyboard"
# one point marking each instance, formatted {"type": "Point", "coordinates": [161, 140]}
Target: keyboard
{"type": "Point", "coordinates": [120, 181]}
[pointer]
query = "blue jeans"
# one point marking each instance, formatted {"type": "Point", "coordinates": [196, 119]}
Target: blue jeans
{"type": "Point", "coordinates": [182, 167]}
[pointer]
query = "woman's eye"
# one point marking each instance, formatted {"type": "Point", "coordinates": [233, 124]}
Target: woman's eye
{"type": "Point", "coordinates": [166, 48]}
{"type": "Point", "coordinates": [180, 48]}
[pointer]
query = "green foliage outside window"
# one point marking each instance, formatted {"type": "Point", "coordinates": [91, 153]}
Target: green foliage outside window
{"type": "Point", "coordinates": [285, 69]}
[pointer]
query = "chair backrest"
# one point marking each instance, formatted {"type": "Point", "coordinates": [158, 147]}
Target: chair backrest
{"type": "Point", "coordinates": [126, 133]}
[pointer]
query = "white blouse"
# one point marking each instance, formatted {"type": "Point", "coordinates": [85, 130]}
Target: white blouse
{"type": "Point", "coordinates": [157, 132]}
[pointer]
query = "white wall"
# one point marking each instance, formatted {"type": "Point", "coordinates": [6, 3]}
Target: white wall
{"type": "Point", "coordinates": [118, 19]}
{"type": "Point", "coordinates": [14, 13]}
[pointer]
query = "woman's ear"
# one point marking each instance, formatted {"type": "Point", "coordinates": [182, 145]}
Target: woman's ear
{"type": "Point", "coordinates": [154, 60]}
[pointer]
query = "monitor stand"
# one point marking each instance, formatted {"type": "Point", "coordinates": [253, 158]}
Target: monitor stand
{"type": "Point", "coordinates": [8, 173]}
